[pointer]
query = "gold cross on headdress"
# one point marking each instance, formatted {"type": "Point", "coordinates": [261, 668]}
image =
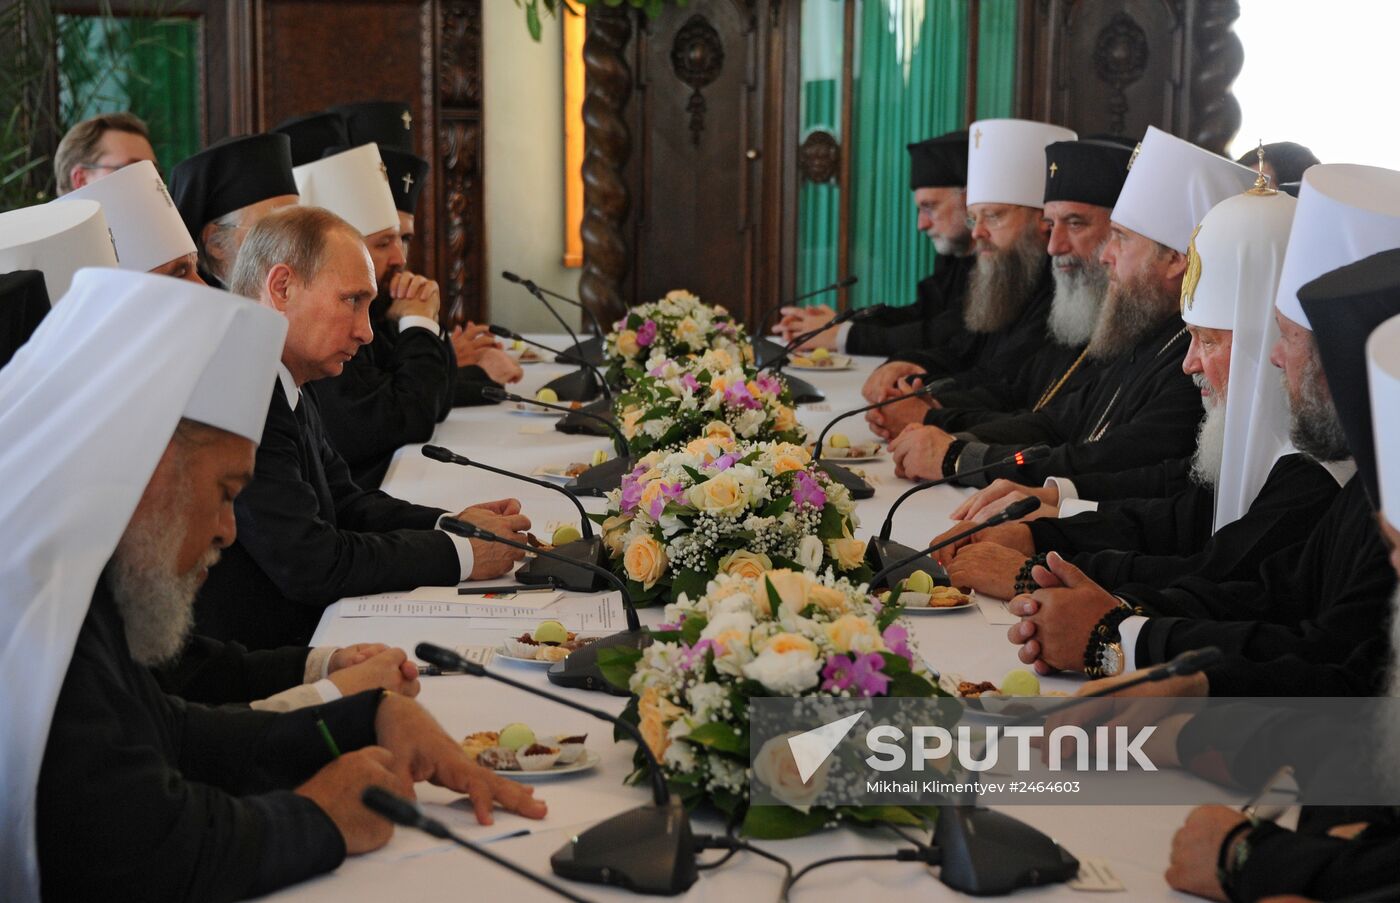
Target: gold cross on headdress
{"type": "Point", "coordinates": [407, 120]}
{"type": "Point", "coordinates": [1261, 182]}
{"type": "Point", "coordinates": [977, 139]}
{"type": "Point", "coordinates": [1133, 159]}
{"type": "Point", "coordinates": [1054, 168]}
{"type": "Point", "coordinates": [407, 182]}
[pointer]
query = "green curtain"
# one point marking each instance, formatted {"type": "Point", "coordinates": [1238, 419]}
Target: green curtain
{"type": "Point", "coordinates": [146, 64]}
{"type": "Point", "coordinates": [820, 205]}
{"type": "Point", "coordinates": [911, 62]}
{"type": "Point", "coordinates": [996, 59]}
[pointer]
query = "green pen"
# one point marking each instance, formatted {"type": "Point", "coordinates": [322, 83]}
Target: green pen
{"type": "Point", "coordinates": [326, 735]}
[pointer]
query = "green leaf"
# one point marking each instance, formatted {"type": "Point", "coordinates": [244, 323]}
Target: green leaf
{"type": "Point", "coordinates": [775, 602]}
{"type": "Point", "coordinates": [832, 525]}
{"type": "Point", "coordinates": [777, 506]}
{"type": "Point", "coordinates": [691, 628]}
{"type": "Point", "coordinates": [721, 736]}
{"type": "Point", "coordinates": [894, 815]}
{"type": "Point", "coordinates": [781, 822]}
{"type": "Point", "coordinates": [910, 685]}
{"type": "Point", "coordinates": [617, 664]}
{"type": "Point", "coordinates": [695, 475]}
{"type": "Point", "coordinates": [692, 583]}
{"type": "Point", "coordinates": [532, 20]}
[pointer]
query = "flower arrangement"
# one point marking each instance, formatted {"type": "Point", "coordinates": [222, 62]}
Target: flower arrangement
{"type": "Point", "coordinates": [678, 325]}
{"type": "Point", "coordinates": [678, 400]}
{"type": "Point", "coordinates": [761, 633]}
{"type": "Point", "coordinates": [718, 505]}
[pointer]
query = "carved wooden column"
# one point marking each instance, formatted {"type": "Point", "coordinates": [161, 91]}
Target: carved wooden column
{"type": "Point", "coordinates": [607, 146]}
{"type": "Point", "coordinates": [460, 237]}
{"type": "Point", "coordinates": [1217, 57]}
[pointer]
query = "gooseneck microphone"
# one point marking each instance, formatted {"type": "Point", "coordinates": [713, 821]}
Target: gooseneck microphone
{"type": "Point", "coordinates": [491, 393]}
{"type": "Point", "coordinates": [472, 531]}
{"type": "Point", "coordinates": [767, 320]}
{"type": "Point", "coordinates": [580, 670]}
{"type": "Point", "coordinates": [1025, 456]}
{"type": "Point", "coordinates": [520, 280]}
{"type": "Point", "coordinates": [447, 456]}
{"type": "Point", "coordinates": [854, 315]}
{"type": "Point", "coordinates": [649, 849]}
{"type": "Point", "coordinates": [539, 295]}
{"type": "Point", "coordinates": [1017, 509]}
{"type": "Point", "coordinates": [924, 390]}
{"type": "Point", "coordinates": [563, 357]}
{"type": "Point", "coordinates": [408, 814]}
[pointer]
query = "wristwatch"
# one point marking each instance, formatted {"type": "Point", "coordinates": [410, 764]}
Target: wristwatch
{"type": "Point", "coordinates": [1103, 656]}
{"type": "Point", "coordinates": [1111, 659]}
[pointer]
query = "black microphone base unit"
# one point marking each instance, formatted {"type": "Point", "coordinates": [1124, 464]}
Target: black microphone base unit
{"type": "Point", "coordinates": [803, 392]}
{"type": "Point", "coordinates": [579, 671]}
{"type": "Point", "coordinates": [648, 850]}
{"type": "Point", "coordinates": [577, 386]}
{"type": "Point", "coordinates": [882, 552]}
{"type": "Point", "coordinates": [858, 488]}
{"type": "Point", "coordinates": [580, 425]}
{"type": "Point", "coordinates": [540, 570]}
{"type": "Point", "coordinates": [987, 853]}
{"type": "Point", "coordinates": [765, 351]}
{"type": "Point", "coordinates": [598, 481]}
{"type": "Point", "coordinates": [590, 350]}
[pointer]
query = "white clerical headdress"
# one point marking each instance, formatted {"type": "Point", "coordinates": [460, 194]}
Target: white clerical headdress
{"type": "Point", "coordinates": [354, 185]}
{"type": "Point", "coordinates": [1006, 160]}
{"type": "Point", "coordinates": [56, 239]}
{"type": "Point", "coordinates": [1232, 273]}
{"type": "Point", "coordinates": [1383, 366]}
{"type": "Point", "coordinates": [1172, 184]}
{"type": "Point", "coordinates": [146, 227]}
{"type": "Point", "coordinates": [1345, 212]}
{"type": "Point", "coordinates": [87, 407]}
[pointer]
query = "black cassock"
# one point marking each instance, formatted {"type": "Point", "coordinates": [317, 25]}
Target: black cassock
{"type": "Point", "coordinates": [308, 535]}
{"type": "Point", "coordinates": [1051, 373]}
{"type": "Point", "coordinates": [975, 357]}
{"type": "Point", "coordinates": [143, 796]}
{"type": "Point", "coordinates": [1140, 409]}
{"type": "Point", "coordinates": [215, 672]}
{"type": "Point", "coordinates": [1324, 601]}
{"type": "Point", "coordinates": [1155, 541]}
{"type": "Point", "coordinates": [392, 393]}
{"type": "Point", "coordinates": [1245, 744]}
{"type": "Point", "coordinates": [933, 320]}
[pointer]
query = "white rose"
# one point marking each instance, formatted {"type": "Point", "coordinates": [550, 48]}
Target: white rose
{"type": "Point", "coordinates": [776, 768]}
{"type": "Point", "coordinates": [787, 666]}
{"type": "Point", "coordinates": [809, 553]}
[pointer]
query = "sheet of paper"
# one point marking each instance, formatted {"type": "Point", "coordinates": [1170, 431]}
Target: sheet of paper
{"type": "Point", "coordinates": [995, 611]}
{"type": "Point", "coordinates": [1095, 875]}
{"type": "Point", "coordinates": [485, 606]}
{"type": "Point", "coordinates": [593, 613]}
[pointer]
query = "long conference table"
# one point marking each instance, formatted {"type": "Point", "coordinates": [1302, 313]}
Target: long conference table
{"type": "Point", "coordinates": [1134, 841]}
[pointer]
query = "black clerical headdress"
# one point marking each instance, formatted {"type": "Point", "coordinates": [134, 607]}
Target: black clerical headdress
{"type": "Point", "coordinates": [229, 176]}
{"type": "Point", "coordinates": [939, 162]}
{"type": "Point", "coordinates": [312, 134]}
{"type": "Point", "coordinates": [1091, 171]}
{"type": "Point", "coordinates": [23, 303]}
{"type": "Point", "coordinates": [387, 123]}
{"type": "Point", "coordinates": [1345, 306]}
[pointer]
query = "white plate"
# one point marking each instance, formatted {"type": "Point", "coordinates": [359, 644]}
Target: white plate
{"type": "Point", "coordinates": [838, 363]}
{"type": "Point", "coordinates": [863, 459]}
{"type": "Point", "coordinates": [531, 410]}
{"type": "Point", "coordinates": [503, 654]}
{"type": "Point", "coordinates": [590, 760]}
{"type": "Point", "coordinates": [927, 610]}
{"type": "Point", "coordinates": [553, 473]}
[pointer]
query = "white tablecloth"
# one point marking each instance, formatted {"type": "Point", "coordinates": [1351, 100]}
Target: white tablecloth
{"type": "Point", "coordinates": [1134, 840]}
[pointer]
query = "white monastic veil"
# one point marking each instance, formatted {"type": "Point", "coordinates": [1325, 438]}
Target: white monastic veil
{"type": "Point", "coordinates": [1256, 408]}
{"type": "Point", "coordinates": [87, 407]}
